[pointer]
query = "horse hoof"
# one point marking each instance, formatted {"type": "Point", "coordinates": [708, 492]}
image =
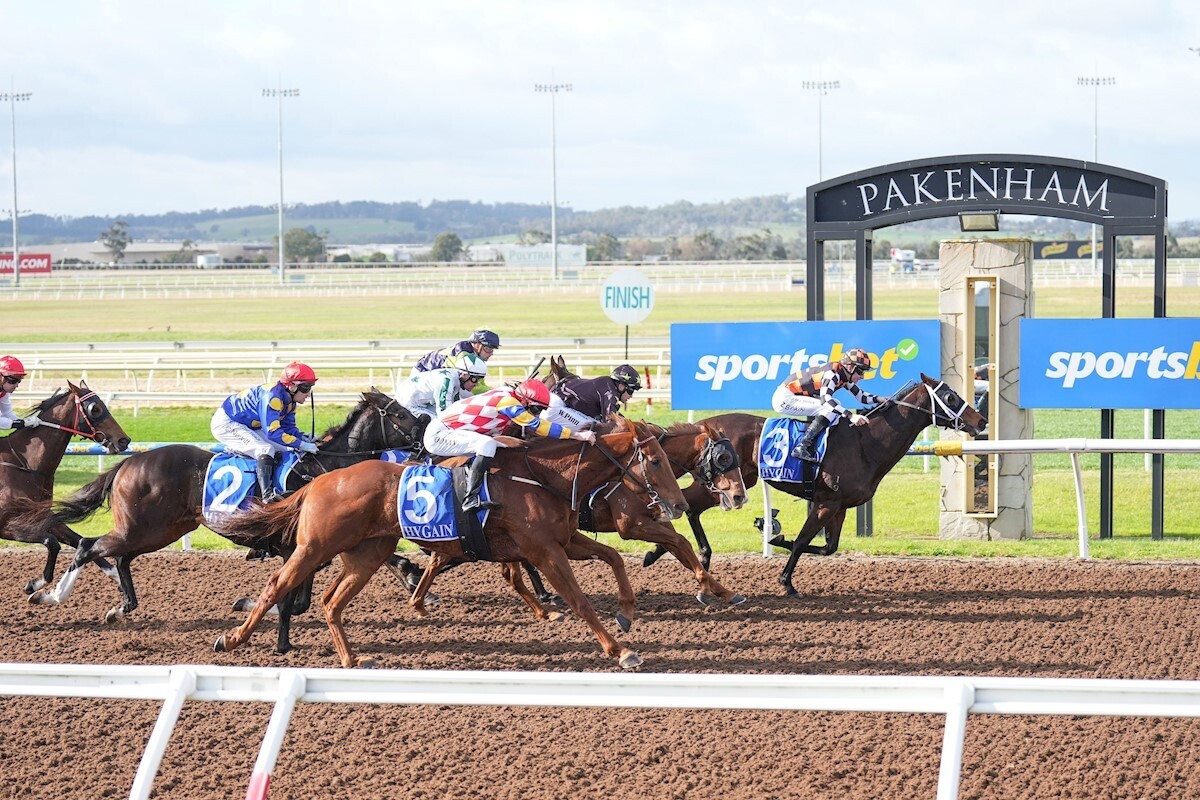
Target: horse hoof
{"type": "Point", "coordinates": [432, 599]}
{"type": "Point", "coordinates": [630, 660]}
{"type": "Point", "coordinates": [737, 600]}
{"type": "Point", "coordinates": [650, 558]}
{"type": "Point", "coordinates": [219, 645]}
{"type": "Point", "coordinates": [40, 597]}
{"type": "Point", "coordinates": [791, 592]}
{"type": "Point", "coordinates": [706, 600]}
{"type": "Point", "coordinates": [779, 540]}
{"type": "Point", "coordinates": [624, 623]}
{"type": "Point", "coordinates": [243, 604]}
{"type": "Point", "coordinates": [113, 615]}
{"type": "Point", "coordinates": [33, 586]}
{"type": "Point", "coordinates": [367, 663]}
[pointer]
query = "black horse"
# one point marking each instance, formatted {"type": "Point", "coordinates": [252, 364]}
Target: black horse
{"type": "Point", "coordinates": [30, 457]}
{"type": "Point", "coordinates": [856, 460]}
{"type": "Point", "coordinates": [156, 498]}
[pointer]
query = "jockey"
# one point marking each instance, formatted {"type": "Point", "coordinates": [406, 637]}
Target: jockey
{"type": "Point", "coordinates": [810, 394]}
{"type": "Point", "coordinates": [260, 422]}
{"type": "Point", "coordinates": [482, 343]}
{"type": "Point", "coordinates": [428, 394]}
{"type": "Point", "coordinates": [470, 425]}
{"type": "Point", "coordinates": [595, 399]}
{"type": "Point", "coordinates": [12, 372]}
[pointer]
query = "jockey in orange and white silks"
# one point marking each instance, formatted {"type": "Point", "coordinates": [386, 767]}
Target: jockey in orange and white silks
{"type": "Point", "coordinates": [471, 425]}
{"type": "Point", "coordinates": [260, 422]}
{"type": "Point", "coordinates": [12, 372]}
{"type": "Point", "coordinates": [810, 394]}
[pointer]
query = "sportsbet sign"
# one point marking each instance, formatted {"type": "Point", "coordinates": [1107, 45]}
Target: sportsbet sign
{"type": "Point", "coordinates": [738, 365]}
{"type": "Point", "coordinates": [1110, 363]}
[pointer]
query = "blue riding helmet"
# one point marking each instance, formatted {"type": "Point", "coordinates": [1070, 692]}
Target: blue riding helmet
{"type": "Point", "coordinates": [485, 338]}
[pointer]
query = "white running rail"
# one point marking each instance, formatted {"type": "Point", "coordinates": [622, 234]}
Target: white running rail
{"type": "Point", "coordinates": [956, 697]}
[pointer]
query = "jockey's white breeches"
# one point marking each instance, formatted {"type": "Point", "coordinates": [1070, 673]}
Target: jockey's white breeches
{"type": "Point", "coordinates": [443, 441]}
{"type": "Point", "coordinates": [798, 405]}
{"type": "Point", "coordinates": [240, 439]}
{"type": "Point", "coordinates": [567, 417]}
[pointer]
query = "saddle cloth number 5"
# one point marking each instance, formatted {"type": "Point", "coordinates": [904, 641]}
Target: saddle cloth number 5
{"type": "Point", "coordinates": [414, 493]}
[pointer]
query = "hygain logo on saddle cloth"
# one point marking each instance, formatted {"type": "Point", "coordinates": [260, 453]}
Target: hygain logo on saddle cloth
{"type": "Point", "coordinates": [738, 365]}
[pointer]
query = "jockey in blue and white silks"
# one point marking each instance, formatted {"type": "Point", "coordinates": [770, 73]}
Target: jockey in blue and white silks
{"type": "Point", "coordinates": [12, 372]}
{"type": "Point", "coordinates": [810, 394]}
{"type": "Point", "coordinates": [260, 422]}
{"type": "Point", "coordinates": [483, 343]}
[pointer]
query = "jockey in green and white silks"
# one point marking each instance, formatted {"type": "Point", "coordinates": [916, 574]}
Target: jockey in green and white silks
{"type": "Point", "coordinates": [430, 393]}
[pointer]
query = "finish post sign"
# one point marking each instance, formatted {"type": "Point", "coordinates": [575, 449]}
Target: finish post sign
{"type": "Point", "coordinates": [31, 263]}
{"type": "Point", "coordinates": [627, 297]}
{"type": "Point", "coordinates": [1110, 363]}
{"type": "Point", "coordinates": [739, 365]}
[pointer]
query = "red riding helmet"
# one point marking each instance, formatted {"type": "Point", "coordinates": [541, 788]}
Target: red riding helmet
{"type": "Point", "coordinates": [857, 360]}
{"type": "Point", "coordinates": [296, 372]}
{"type": "Point", "coordinates": [12, 367]}
{"type": "Point", "coordinates": [533, 393]}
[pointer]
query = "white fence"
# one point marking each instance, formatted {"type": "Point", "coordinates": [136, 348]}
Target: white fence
{"type": "Point", "coordinates": [955, 697]}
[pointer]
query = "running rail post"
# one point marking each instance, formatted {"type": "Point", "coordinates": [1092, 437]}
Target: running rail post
{"type": "Point", "coordinates": [1080, 509]}
{"type": "Point", "coordinates": [292, 686]}
{"type": "Point", "coordinates": [960, 696]}
{"type": "Point", "coordinates": [183, 683]}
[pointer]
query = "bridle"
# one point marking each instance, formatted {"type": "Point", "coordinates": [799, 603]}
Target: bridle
{"type": "Point", "coordinates": [716, 458]}
{"type": "Point", "coordinates": [939, 412]}
{"type": "Point", "coordinates": [95, 434]}
{"type": "Point", "coordinates": [639, 455]}
{"type": "Point", "coordinates": [381, 414]}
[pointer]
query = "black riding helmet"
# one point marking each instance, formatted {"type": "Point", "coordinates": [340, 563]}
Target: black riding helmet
{"type": "Point", "coordinates": [627, 375]}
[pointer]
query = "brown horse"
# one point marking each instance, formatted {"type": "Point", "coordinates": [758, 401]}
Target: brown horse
{"type": "Point", "coordinates": [156, 496]}
{"type": "Point", "coordinates": [354, 513]}
{"type": "Point", "coordinates": [32, 455]}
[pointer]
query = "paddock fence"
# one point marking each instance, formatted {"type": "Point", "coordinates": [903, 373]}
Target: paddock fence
{"type": "Point", "coordinates": [953, 697]}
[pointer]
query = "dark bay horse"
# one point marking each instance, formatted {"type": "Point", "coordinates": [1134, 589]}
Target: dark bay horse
{"type": "Point", "coordinates": [354, 513]}
{"type": "Point", "coordinates": [30, 457]}
{"type": "Point", "coordinates": [156, 496]}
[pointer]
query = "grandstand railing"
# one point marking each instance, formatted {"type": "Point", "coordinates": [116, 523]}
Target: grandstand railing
{"type": "Point", "coordinates": [953, 697]}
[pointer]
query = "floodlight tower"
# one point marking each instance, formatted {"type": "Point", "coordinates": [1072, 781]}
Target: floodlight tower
{"type": "Point", "coordinates": [1095, 83]}
{"type": "Point", "coordinates": [552, 89]}
{"type": "Point", "coordinates": [280, 93]}
{"type": "Point", "coordinates": [13, 97]}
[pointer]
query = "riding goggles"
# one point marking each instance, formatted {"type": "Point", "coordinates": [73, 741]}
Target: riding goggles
{"type": "Point", "coordinates": [13, 380]}
{"type": "Point", "coordinates": [304, 387]}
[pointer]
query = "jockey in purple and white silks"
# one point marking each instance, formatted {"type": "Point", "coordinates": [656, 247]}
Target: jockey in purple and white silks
{"type": "Point", "coordinates": [12, 372]}
{"type": "Point", "coordinates": [810, 394]}
{"type": "Point", "coordinates": [260, 422]}
{"type": "Point", "coordinates": [586, 401]}
{"type": "Point", "coordinates": [483, 343]}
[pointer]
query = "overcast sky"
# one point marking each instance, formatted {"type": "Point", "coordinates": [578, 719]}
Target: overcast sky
{"type": "Point", "coordinates": [147, 107]}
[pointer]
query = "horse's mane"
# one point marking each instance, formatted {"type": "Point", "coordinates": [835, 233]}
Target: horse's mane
{"type": "Point", "coordinates": [334, 430]}
{"type": "Point", "coordinates": [689, 428]}
{"type": "Point", "coordinates": [51, 401]}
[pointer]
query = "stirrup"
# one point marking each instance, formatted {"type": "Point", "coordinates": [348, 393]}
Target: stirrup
{"type": "Point", "coordinates": [477, 503]}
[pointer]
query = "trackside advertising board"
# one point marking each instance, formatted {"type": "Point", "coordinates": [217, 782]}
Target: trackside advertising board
{"type": "Point", "coordinates": [31, 263]}
{"type": "Point", "coordinates": [738, 365]}
{"type": "Point", "coordinates": [1110, 363]}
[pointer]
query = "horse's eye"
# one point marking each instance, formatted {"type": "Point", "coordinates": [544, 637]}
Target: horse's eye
{"type": "Point", "coordinates": [95, 410]}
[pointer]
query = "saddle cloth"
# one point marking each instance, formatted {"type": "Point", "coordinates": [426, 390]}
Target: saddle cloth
{"type": "Point", "coordinates": [430, 510]}
{"type": "Point", "coordinates": [780, 436]}
{"type": "Point", "coordinates": [230, 482]}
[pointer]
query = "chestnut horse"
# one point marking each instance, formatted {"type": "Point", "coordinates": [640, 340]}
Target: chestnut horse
{"type": "Point", "coordinates": [156, 496]}
{"type": "Point", "coordinates": [31, 457]}
{"type": "Point", "coordinates": [354, 513]}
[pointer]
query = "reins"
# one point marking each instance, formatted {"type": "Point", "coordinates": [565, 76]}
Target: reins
{"type": "Point", "coordinates": [951, 418]}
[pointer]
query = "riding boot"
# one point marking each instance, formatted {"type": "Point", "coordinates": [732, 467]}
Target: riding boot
{"type": "Point", "coordinates": [807, 449]}
{"type": "Point", "coordinates": [472, 501]}
{"type": "Point", "coordinates": [264, 469]}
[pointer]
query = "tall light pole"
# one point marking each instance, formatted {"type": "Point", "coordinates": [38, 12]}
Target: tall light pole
{"type": "Point", "coordinates": [13, 97]}
{"type": "Point", "coordinates": [1095, 83]}
{"type": "Point", "coordinates": [823, 88]}
{"type": "Point", "coordinates": [553, 89]}
{"type": "Point", "coordinates": [281, 93]}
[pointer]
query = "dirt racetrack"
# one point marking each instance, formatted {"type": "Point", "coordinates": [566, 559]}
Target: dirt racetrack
{"type": "Point", "coordinates": [858, 615]}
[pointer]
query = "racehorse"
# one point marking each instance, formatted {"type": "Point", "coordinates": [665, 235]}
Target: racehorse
{"type": "Point", "coordinates": [856, 460]}
{"type": "Point", "coordinates": [354, 513]}
{"type": "Point", "coordinates": [32, 455]}
{"type": "Point", "coordinates": [156, 498]}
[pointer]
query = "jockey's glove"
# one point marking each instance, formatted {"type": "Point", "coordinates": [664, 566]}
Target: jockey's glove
{"type": "Point", "coordinates": [308, 447]}
{"type": "Point", "coordinates": [30, 422]}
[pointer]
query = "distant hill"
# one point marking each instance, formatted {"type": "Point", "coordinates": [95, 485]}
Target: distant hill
{"type": "Point", "coordinates": [363, 222]}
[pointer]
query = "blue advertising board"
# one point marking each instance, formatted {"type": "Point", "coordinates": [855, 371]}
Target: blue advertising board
{"type": "Point", "coordinates": [1110, 363]}
{"type": "Point", "coordinates": [738, 365]}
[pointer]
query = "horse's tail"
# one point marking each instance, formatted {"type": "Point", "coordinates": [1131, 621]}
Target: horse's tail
{"type": "Point", "coordinates": [27, 519]}
{"type": "Point", "coordinates": [87, 499]}
{"type": "Point", "coordinates": [250, 528]}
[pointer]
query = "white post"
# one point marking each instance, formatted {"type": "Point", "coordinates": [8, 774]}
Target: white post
{"type": "Point", "coordinates": [768, 520]}
{"type": "Point", "coordinates": [959, 699]}
{"type": "Point", "coordinates": [291, 688]}
{"type": "Point", "coordinates": [183, 683]}
{"type": "Point", "coordinates": [1080, 508]}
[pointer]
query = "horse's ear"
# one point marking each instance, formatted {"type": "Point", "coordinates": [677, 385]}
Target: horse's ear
{"type": "Point", "coordinates": [559, 361]}
{"type": "Point", "coordinates": [73, 387]}
{"type": "Point", "coordinates": [928, 380]}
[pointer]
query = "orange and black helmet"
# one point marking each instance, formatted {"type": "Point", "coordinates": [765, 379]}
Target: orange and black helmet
{"type": "Point", "coordinates": [857, 360]}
